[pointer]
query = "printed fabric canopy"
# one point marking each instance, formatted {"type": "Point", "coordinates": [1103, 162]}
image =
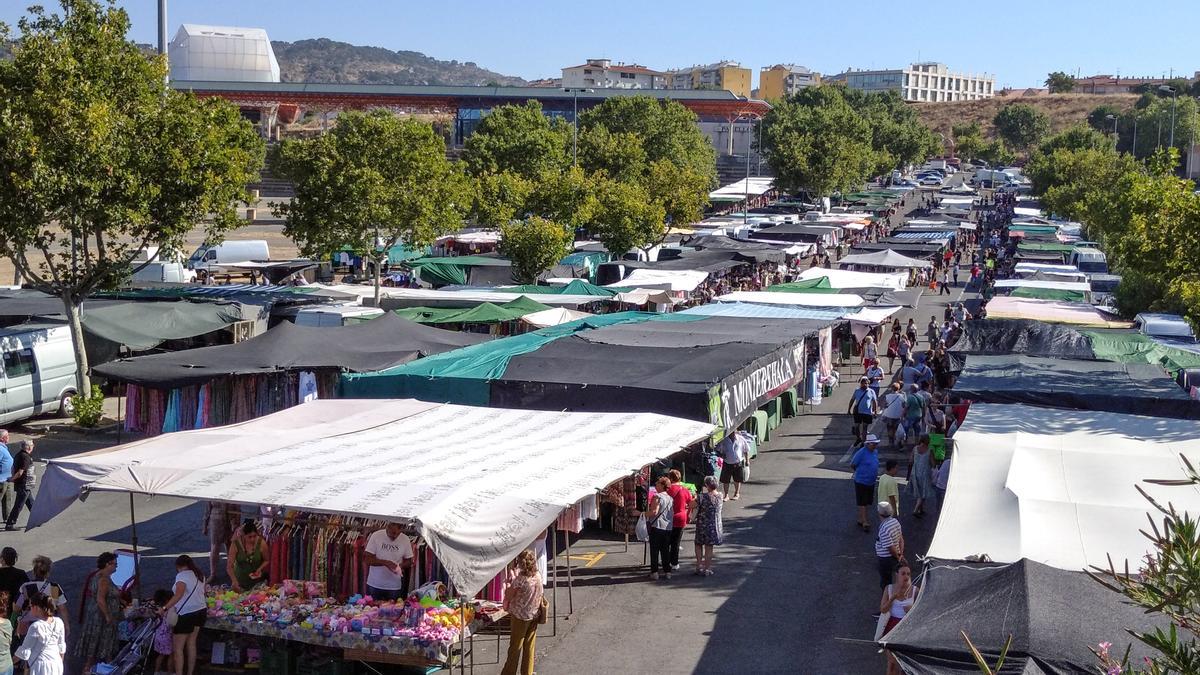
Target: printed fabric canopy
{"type": "Point", "coordinates": [480, 484]}
{"type": "Point", "coordinates": [1039, 606]}
{"type": "Point", "coordinates": [1134, 388]}
{"type": "Point", "coordinates": [1059, 486]}
{"type": "Point", "coordinates": [1052, 311]}
{"type": "Point", "coordinates": [372, 345]}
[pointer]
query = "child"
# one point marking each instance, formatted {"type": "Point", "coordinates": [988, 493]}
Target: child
{"type": "Point", "coordinates": [162, 636]}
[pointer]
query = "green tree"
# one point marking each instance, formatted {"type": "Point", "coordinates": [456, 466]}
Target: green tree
{"type": "Point", "coordinates": [1021, 125]}
{"type": "Point", "coordinates": [534, 245]}
{"type": "Point", "coordinates": [499, 198]}
{"type": "Point", "coordinates": [371, 183]}
{"type": "Point", "coordinates": [968, 140]}
{"type": "Point", "coordinates": [1077, 137]}
{"type": "Point", "coordinates": [619, 156]}
{"type": "Point", "coordinates": [568, 197]}
{"type": "Point", "coordinates": [518, 139]}
{"type": "Point", "coordinates": [626, 218]}
{"type": "Point", "coordinates": [815, 141]}
{"type": "Point", "coordinates": [897, 135]}
{"type": "Point", "coordinates": [663, 129]}
{"type": "Point", "coordinates": [996, 152]}
{"type": "Point", "coordinates": [1154, 124]}
{"type": "Point", "coordinates": [1060, 83]}
{"type": "Point", "coordinates": [101, 160]}
{"type": "Point", "coordinates": [1098, 117]}
{"type": "Point", "coordinates": [681, 191]}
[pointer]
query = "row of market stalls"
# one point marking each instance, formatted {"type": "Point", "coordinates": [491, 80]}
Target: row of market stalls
{"type": "Point", "coordinates": [1071, 413]}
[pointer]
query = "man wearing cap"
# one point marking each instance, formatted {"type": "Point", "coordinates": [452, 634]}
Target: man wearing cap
{"type": "Point", "coordinates": [864, 405]}
{"type": "Point", "coordinates": [865, 463]}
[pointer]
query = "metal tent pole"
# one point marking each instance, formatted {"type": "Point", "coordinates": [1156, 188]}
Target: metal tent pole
{"type": "Point", "coordinates": [133, 539]}
{"type": "Point", "coordinates": [554, 577]}
{"type": "Point", "coordinates": [570, 580]}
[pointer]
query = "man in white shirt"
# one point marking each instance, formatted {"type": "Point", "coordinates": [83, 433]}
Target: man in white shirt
{"type": "Point", "coordinates": [388, 554]}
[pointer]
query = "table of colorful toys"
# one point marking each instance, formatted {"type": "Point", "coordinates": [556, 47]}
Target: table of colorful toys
{"type": "Point", "coordinates": [425, 629]}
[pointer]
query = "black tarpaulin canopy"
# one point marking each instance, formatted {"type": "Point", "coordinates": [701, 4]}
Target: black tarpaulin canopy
{"type": "Point", "coordinates": [758, 252]}
{"type": "Point", "coordinates": [1053, 615]}
{"type": "Point", "coordinates": [1131, 388]}
{"type": "Point", "coordinates": [713, 330]}
{"type": "Point", "coordinates": [372, 345]}
{"type": "Point", "coordinates": [1023, 336]}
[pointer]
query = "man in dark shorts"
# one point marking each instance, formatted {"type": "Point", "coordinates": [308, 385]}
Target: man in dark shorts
{"type": "Point", "coordinates": [734, 452]}
{"type": "Point", "coordinates": [866, 471]}
{"type": "Point", "coordinates": [864, 405]}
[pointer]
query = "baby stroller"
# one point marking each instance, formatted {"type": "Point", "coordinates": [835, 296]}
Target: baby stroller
{"type": "Point", "coordinates": [135, 654]}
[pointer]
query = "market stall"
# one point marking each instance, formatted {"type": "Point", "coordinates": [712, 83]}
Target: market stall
{"type": "Point", "coordinates": [1052, 311]}
{"type": "Point", "coordinates": [847, 279]}
{"type": "Point", "coordinates": [477, 485]}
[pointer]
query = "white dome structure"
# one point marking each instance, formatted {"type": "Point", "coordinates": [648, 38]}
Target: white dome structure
{"type": "Point", "coordinates": [222, 54]}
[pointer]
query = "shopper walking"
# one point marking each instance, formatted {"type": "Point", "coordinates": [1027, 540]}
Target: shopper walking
{"type": "Point", "coordinates": [920, 479]}
{"type": "Point", "coordinates": [898, 598]}
{"type": "Point", "coordinates": [219, 522]}
{"type": "Point", "coordinates": [8, 493]}
{"type": "Point", "coordinates": [734, 453]}
{"type": "Point", "coordinates": [191, 611]}
{"type": "Point", "coordinates": [681, 499]}
{"type": "Point", "coordinates": [6, 634]}
{"type": "Point", "coordinates": [11, 576]}
{"type": "Point", "coordinates": [45, 641]}
{"type": "Point", "coordinates": [41, 585]}
{"type": "Point", "coordinates": [889, 543]}
{"type": "Point", "coordinates": [248, 558]}
{"type": "Point", "coordinates": [893, 350]}
{"type": "Point", "coordinates": [865, 463]}
{"type": "Point", "coordinates": [864, 405]}
{"type": "Point", "coordinates": [23, 480]}
{"type": "Point", "coordinates": [659, 520]}
{"type": "Point", "coordinates": [888, 489]}
{"type": "Point", "coordinates": [523, 602]}
{"type": "Point", "coordinates": [706, 509]}
{"type": "Point", "coordinates": [97, 639]}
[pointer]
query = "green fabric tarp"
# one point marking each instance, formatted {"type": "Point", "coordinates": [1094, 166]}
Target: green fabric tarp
{"type": "Point", "coordinates": [486, 312]}
{"type": "Point", "coordinates": [144, 325]}
{"type": "Point", "coordinates": [452, 270]}
{"type": "Point", "coordinates": [1133, 347]}
{"type": "Point", "coordinates": [818, 285]}
{"type": "Point", "coordinates": [1047, 294]}
{"type": "Point", "coordinates": [1031, 229]}
{"type": "Point", "coordinates": [576, 287]}
{"type": "Point", "coordinates": [462, 375]}
{"type": "Point", "coordinates": [1044, 247]}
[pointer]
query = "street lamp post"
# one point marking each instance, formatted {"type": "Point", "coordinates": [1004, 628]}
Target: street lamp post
{"type": "Point", "coordinates": [575, 91]}
{"type": "Point", "coordinates": [1174, 101]}
{"type": "Point", "coordinates": [746, 210]}
{"type": "Point", "coordinates": [1114, 121]}
{"type": "Point", "coordinates": [1135, 135]}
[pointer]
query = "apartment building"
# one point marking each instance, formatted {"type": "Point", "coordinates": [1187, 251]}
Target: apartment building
{"type": "Point", "coordinates": [604, 74]}
{"type": "Point", "coordinates": [727, 75]}
{"type": "Point", "coordinates": [784, 79]}
{"type": "Point", "coordinates": [922, 82]}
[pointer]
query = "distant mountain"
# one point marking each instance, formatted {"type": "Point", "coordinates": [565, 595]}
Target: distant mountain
{"type": "Point", "coordinates": [324, 60]}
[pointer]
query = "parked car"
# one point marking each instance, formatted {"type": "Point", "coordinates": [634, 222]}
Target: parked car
{"type": "Point", "coordinates": [158, 271]}
{"type": "Point", "coordinates": [932, 180]}
{"type": "Point", "coordinates": [39, 371]}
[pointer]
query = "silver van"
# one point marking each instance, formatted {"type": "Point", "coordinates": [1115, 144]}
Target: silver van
{"type": "Point", "coordinates": [38, 371]}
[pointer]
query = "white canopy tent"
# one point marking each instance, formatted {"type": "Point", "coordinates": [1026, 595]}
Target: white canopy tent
{"type": "Point", "coordinates": [479, 483]}
{"type": "Point", "coordinates": [886, 258]}
{"type": "Point", "coordinates": [669, 280]}
{"type": "Point", "coordinates": [553, 317]}
{"type": "Point", "coordinates": [1081, 286]}
{"type": "Point", "coordinates": [738, 190]}
{"type": "Point", "coordinates": [466, 298]}
{"type": "Point", "coordinates": [1030, 268]}
{"type": "Point", "coordinates": [1058, 486]}
{"type": "Point", "coordinates": [847, 279]}
{"type": "Point", "coordinates": [802, 299]}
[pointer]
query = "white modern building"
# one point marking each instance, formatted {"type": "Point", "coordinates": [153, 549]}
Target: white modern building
{"type": "Point", "coordinates": [604, 74]}
{"type": "Point", "coordinates": [222, 54]}
{"type": "Point", "coordinates": [922, 82]}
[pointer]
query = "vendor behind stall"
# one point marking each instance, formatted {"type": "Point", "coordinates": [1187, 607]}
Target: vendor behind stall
{"type": "Point", "coordinates": [389, 555]}
{"type": "Point", "coordinates": [248, 558]}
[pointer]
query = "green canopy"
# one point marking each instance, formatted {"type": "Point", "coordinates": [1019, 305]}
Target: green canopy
{"type": "Point", "coordinates": [452, 270]}
{"type": "Point", "coordinates": [1047, 294]}
{"type": "Point", "coordinates": [576, 287]}
{"type": "Point", "coordinates": [1039, 229]}
{"type": "Point", "coordinates": [1133, 347]}
{"type": "Point", "coordinates": [817, 285]}
{"type": "Point", "coordinates": [482, 313]}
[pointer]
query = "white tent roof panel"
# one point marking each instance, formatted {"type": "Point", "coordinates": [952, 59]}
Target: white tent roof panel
{"type": "Point", "coordinates": [847, 279]}
{"type": "Point", "coordinates": [1058, 486]}
{"type": "Point", "coordinates": [480, 483]}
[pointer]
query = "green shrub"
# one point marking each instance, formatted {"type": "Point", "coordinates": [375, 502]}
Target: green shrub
{"type": "Point", "coordinates": [87, 411]}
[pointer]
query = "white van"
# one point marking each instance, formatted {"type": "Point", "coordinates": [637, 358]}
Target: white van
{"type": "Point", "coordinates": [228, 252]}
{"type": "Point", "coordinates": [39, 371]}
{"type": "Point", "coordinates": [339, 315]}
{"type": "Point", "coordinates": [1089, 260]}
{"type": "Point", "coordinates": [163, 272]}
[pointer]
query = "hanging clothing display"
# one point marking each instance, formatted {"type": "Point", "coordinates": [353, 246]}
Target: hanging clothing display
{"type": "Point", "coordinates": [308, 386]}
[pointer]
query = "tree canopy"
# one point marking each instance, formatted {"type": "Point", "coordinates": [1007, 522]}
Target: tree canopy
{"type": "Point", "coordinates": [534, 245]}
{"type": "Point", "coordinates": [1059, 82]}
{"type": "Point", "coordinates": [816, 141]}
{"type": "Point", "coordinates": [372, 182]}
{"type": "Point", "coordinates": [102, 160]}
{"type": "Point", "coordinates": [1021, 125]}
{"type": "Point", "coordinates": [968, 140]}
{"type": "Point", "coordinates": [518, 139]}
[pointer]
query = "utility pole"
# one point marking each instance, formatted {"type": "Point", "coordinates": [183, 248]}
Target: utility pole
{"type": "Point", "coordinates": [746, 210]}
{"type": "Point", "coordinates": [162, 36]}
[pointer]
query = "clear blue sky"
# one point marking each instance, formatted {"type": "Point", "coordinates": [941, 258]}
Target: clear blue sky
{"type": "Point", "coordinates": [1018, 41]}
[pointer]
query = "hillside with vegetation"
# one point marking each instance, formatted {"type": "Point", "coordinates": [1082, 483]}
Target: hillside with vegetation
{"type": "Point", "coordinates": [323, 60]}
{"type": "Point", "coordinates": [1063, 110]}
